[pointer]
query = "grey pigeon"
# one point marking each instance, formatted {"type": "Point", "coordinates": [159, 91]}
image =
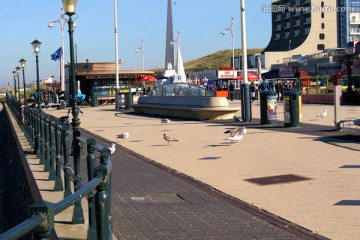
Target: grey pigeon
{"type": "Point", "coordinates": [240, 130]}
{"type": "Point", "coordinates": [169, 139]}
{"type": "Point", "coordinates": [236, 137]}
{"type": "Point", "coordinates": [123, 135]}
{"type": "Point", "coordinates": [165, 121]}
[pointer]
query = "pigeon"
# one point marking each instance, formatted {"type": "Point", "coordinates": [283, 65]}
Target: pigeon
{"type": "Point", "coordinates": [169, 139]}
{"type": "Point", "coordinates": [323, 114]}
{"type": "Point", "coordinates": [112, 148]}
{"type": "Point", "coordinates": [236, 137]}
{"type": "Point", "coordinates": [165, 121]}
{"type": "Point", "coordinates": [123, 135]}
{"type": "Point", "coordinates": [240, 130]}
{"type": "Point", "coordinates": [236, 119]}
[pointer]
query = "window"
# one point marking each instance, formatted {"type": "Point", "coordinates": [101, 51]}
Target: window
{"type": "Point", "coordinates": [320, 47]}
{"type": "Point", "coordinates": [321, 36]}
{"type": "Point", "coordinates": [322, 15]}
{"type": "Point", "coordinates": [322, 25]}
{"type": "Point", "coordinates": [322, 4]}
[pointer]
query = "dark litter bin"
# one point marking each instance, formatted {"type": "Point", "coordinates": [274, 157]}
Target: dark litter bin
{"type": "Point", "coordinates": [268, 107]}
{"type": "Point", "coordinates": [292, 109]}
{"type": "Point", "coordinates": [128, 100]}
{"type": "Point", "coordinates": [121, 101]}
{"type": "Point", "coordinates": [94, 99]}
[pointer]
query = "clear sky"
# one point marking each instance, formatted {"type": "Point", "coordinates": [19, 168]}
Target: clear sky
{"type": "Point", "coordinates": [199, 22]}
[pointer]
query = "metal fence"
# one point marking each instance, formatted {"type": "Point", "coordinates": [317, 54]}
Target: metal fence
{"type": "Point", "coordinates": [49, 138]}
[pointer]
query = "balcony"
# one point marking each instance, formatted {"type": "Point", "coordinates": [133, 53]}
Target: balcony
{"type": "Point", "coordinates": [354, 31]}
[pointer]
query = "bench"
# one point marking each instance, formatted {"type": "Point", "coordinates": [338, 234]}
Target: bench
{"type": "Point", "coordinates": [188, 107]}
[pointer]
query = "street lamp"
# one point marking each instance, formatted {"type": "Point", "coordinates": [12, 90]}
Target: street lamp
{"type": "Point", "coordinates": [14, 75]}
{"type": "Point", "coordinates": [142, 52]}
{"type": "Point", "coordinates": [36, 46]}
{"type": "Point", "coordinates": [69, 9]}
{"type": "Point", "coordinates": [17, 69]}
{"type": "Point", "coordinates": [22, 64]}
{"type": "Point", "coordinates": [62, 22]}
{"type": "Point", "coordinates": [223, 32]}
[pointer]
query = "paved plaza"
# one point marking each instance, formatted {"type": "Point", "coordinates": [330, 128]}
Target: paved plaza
{"type": "Point", "coordinates": [326, 201]}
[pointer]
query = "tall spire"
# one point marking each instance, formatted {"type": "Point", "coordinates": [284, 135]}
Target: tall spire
{"type": "Point", "coordinates": [169, 50]}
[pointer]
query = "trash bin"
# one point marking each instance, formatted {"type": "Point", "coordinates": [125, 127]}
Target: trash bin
{"type": "Point", "coordinates": [292, 109]}
{"type": "Point", "coordinates": [268, 107]}
{"type": "Point", "coordinates": [128, 100]}
{"type": "Point", "coordinates": [94, 99]}
{"type": "Point", "coordinates": [121, 101]}
{"type": "Point", "coordinates": [56, 99]}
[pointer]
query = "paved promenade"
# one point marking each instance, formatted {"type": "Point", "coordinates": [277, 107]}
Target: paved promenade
{"type": "Point", "coordinates": [327, 201]}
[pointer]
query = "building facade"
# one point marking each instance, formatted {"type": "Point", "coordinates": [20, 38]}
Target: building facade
{"type": "Point", "coordinates": [302, 27]}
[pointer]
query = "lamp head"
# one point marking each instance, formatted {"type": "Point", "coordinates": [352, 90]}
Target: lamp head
{"type": "Point", "coordinates": [69, 6]}
{"type": "Point", "coordinates": [22, 62]}
{"type": "Point", "coordinates": [17, 69]}
{"type": "Point", "coordinates": [36, 46]}
{"type": "Point", "coordinates": [50, 25]}
{"type": "Point", "coordinates": [223, 32]}
{"type": "Point", "coordinates": [14, 73]}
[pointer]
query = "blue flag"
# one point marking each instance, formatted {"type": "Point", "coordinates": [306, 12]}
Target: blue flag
{"type": "Point", "coordinates": [57, 54]}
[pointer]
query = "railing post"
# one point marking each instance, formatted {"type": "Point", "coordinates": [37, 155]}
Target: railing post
{"type": "Point", "coordinates": [102, 204]}
{"type": "Point", "coordinates": [46, 209]}
{"type": "Point", "coordinates": [51, 149]}
{"type": "Point", "coordinates": [67, 191]}
{"type": "Point", "coordinates": [58, 180]}
{"type": "Point", "coordinates": [46, 144]}
{"type": "Point", "coordinates": [91, 160]}
{"type": "Point", "coordinates": [37, 136]}
{"type": "Point", "coordinates": [78, 215]}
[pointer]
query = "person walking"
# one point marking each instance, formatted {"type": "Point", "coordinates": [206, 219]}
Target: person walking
{"type": "Point", "coordinates": [231, 90]}
{"type": "Point", "coordinates": [253, 91]}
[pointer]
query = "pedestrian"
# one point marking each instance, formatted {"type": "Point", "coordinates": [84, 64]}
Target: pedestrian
{"type": "Point", "coordinates": [231, 90]}
{"type": "Point", "coordinates": [264, 86]}
{"type": "Point", "coordinates": [252, 90]}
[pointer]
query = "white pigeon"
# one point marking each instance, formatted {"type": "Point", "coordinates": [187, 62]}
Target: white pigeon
{"type": "Point", "coordinates": [112, 148]}
{"type": "Point", "coordinates": [165, 121]}
{"type": "Point", "coordinates": [123, 135]}
{"type": "Point", "coordinates": [169, 139]}
{"type": "Point", "coordinates": [323, 114]}
{"type": "Point", "coordinates": [235, 138]}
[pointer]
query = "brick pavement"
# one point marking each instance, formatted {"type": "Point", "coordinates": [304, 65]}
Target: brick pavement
{"type": "Point", "coordinates": [147, 200]}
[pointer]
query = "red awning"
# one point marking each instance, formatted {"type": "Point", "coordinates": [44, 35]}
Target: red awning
{"type": "Point", "coordinates": [148, 78]}
{"type": "Point", "coordinates": [251, 77]}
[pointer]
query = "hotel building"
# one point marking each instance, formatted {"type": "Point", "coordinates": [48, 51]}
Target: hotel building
{"type": "Point", "coordinates": [305, 27]}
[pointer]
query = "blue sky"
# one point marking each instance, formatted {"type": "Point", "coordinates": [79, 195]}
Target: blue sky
{"type": "Point", "coordinates": [199, 21]}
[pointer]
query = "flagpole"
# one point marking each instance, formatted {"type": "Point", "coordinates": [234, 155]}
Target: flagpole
{"type": "Point", "coordinates": [116, 57]}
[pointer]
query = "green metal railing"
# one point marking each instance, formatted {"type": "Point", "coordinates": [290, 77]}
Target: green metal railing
{"type": "Point", "coordinates": [50, 141]}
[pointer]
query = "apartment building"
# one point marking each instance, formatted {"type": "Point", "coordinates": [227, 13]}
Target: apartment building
{"type": "Point", "coordinates": [304, 27]}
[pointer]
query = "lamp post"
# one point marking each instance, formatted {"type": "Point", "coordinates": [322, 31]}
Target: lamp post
{"type": "Point", "coordinates": [69, 9]}
{"type": "Point", "coordinates": [36, 46]}
{"type": "Point", "coordinates": [245, 103]}
{"type": "Point", "coordinates": [289, 49]}
{"type": "Point", "coordinates": [142, 52]}
{"type": "Point", "coordinates": [223, 32]}
{"type": "Point", "coordinates": [14, 75]}
{"type": "Point", "coordinates": [62, 22]}
{"type": "Point", "coordinates": [22, 64]}
{"type": "Point", "coordinates": [17, 69]}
